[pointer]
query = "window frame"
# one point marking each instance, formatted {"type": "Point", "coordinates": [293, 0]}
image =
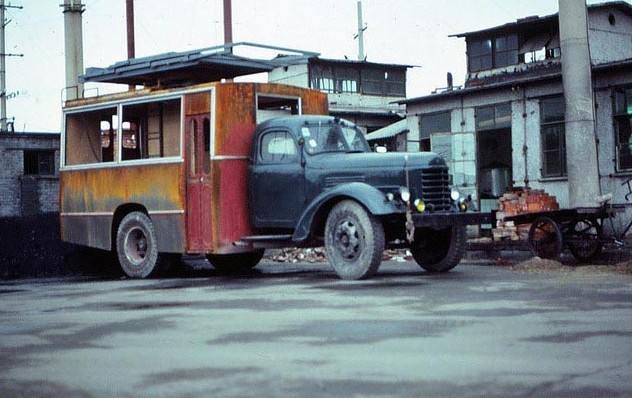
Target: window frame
{"type": "Point", "coordinates": [286, 132]}
{"type": "Point", "coordinates": [618, 115]}
{"type": "Point", "coordinates": [118, 104]}
{"type": "Point", "coordinates": [494, 53]}
{"type": "Point", "coordinates": [561, 136]}
{"type": "Point", "coordinates": [38, 153]}
{"type": "Point", "coordinates": [495, 125]}
{"type": "Point", "coordinates": [427, 139]}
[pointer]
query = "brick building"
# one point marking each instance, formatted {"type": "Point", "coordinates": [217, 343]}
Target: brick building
{"type": "Point", "coordinates": [29, 173]}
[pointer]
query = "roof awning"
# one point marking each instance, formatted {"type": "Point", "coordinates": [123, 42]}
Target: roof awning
{"type": "Point", "coordinates": [190, 67]}
{"type": "Point", "coordinates": [389, 131]}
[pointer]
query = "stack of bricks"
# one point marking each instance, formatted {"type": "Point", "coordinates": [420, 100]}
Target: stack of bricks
{"type": "Point", "coordinates": [520, 201]}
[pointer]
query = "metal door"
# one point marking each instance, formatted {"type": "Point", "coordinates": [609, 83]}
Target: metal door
{"type": "Point", "coordinates": [198, 159]}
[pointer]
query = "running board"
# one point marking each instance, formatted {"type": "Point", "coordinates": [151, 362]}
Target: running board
{"type": "Point", "coordinates": [265, 241]}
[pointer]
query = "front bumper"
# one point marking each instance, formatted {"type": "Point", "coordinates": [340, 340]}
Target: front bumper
{"type": "Point", "coordinates": [448, 219]}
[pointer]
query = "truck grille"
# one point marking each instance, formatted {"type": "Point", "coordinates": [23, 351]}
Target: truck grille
{"type": "Point", "coordinates": [435, 189]}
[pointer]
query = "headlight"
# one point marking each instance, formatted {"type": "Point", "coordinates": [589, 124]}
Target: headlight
{"type": "Point", "coordinates": [455, 195]}
{"type": "Point", "coordinates": [420, 205]}
{"type": "Point", "coordinates": [404, 193]}
{"type": "Point", "coordinates": [390, 197]}
{"type": "Point", "coordinates": [463, 204]}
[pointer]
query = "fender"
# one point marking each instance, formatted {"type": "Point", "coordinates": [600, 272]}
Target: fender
{"type": "Point", "coordinates": [370, 197]}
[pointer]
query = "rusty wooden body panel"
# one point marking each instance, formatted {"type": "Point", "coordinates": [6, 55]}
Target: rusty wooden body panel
{"type": "Point", "coordinates": [89, 199]}
{"type": "Point", "coordinates": [91, 196]}
{"type": "Point", "coordinates": [235, 123]}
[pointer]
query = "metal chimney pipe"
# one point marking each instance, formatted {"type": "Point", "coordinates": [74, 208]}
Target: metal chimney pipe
{"type": "Point", "coordinates": [73, 40]}
{"type": "Point", "coordinates": [581, 146]}
{"type": "Point", "coordinates": [228, 22]}
{"type": "Point", "coordinates": [131, 44]}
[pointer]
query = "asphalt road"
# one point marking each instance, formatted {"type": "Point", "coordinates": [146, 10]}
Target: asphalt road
{"type": "Point", "coordinates": [299, 332]}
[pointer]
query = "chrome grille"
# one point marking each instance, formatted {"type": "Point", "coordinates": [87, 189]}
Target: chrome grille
{"type": "Point", "coordinates": [435, 189]}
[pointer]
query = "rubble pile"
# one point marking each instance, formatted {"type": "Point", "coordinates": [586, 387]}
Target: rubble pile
{"type": "Point", "coordinates": [520, 201]}
{"type": "Point", "coordinates": [316, 255]}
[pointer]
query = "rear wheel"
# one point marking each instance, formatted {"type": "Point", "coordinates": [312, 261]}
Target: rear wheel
{"type": "Point", "coordinates": [545, 238]}
{"type": "Point", "coordinates": [354, 241]}
{"type": "Point", "coordinates": [238, 262]}
{"type": "Point", "coordinates": [439, 250]}
{"type": "Point", "coordinates": [136, 246]}
{"type": "Point", "coordinates": [584, 239]}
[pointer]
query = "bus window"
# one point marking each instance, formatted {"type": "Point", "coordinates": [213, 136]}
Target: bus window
{"type": "Point", "coordinates": [151, 130]}
{"type": "Point", "coordinates": [91, 136]}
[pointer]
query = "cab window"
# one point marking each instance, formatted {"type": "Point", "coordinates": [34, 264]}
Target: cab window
{"type": "Point", "coordinates": [278, 147]}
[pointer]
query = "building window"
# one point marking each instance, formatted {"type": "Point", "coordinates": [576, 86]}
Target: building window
{"type": "Point", "coordinates": [493, 117]}
{"type": "Point", "coordinates": [480, 55]}
{"type": "Point", "coordinates": [39, 162]}
{"type": "Point", "coordinates": [430, 124]}
{"type": "Point", "coordinates": [623, 128]}
{"type": "Point", "coordinates": [553, 139]}
{"type": "Point", "coordinates": [505, 51]}
{"type": "Point", "coordinates": [490, 53]}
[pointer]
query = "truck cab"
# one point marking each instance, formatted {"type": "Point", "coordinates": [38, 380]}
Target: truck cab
{"type": "Point", "coordinates": [314, 180]}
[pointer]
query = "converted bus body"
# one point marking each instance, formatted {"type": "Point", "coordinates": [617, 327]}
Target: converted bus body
{"type": "Point", "coordinates": [182, 159]}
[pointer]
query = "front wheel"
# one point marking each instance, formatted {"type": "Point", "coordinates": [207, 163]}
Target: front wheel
{"type": "Point", "coordinates": [354, 241]}
{"type": "Point", "coordinates": [238, 262]}
{"type": "Point", "coordinates": [136, 246]}
{"type": "Point", "coordinates": [439, 250]}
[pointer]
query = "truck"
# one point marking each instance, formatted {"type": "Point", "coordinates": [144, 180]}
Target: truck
{"type": "Point", "coordinates": [228, 170]}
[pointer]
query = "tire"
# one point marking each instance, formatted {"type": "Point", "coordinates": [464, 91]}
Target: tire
{"type": "Point", "coordinates": [439, 251]}
{"type": "Point", "coordinates": [354, 241]}
{"type": "Point", "coordinates": [136, 246]}
{"type": "Point", "coordinates": [234, 263]}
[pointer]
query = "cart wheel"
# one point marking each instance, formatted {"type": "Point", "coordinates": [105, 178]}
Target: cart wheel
{"type": "Point", "coordinates": [584, 239]}
{"type": "Point", "coordinates": [545, 238]}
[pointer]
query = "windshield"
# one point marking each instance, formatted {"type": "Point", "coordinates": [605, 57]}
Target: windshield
{"type": "Point", "coordinates": [333, 138]}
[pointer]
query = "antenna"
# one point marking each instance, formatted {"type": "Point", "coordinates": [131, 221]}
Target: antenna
{"type": "Point", "coordinates": [3, 69]}
{"type": "Point", "coordinates": [360, 35]}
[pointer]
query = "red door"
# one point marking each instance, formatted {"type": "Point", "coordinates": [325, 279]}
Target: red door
{"type": "Point", "coordinates": [198, 134]}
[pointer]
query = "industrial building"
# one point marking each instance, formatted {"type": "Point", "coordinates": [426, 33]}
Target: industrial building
{"type": "Point", "coordinates": [29, 177]}
{"type": "Point", "coordinates": [505, 128]}
{"type": "Point", "coordinates": [363, 92]}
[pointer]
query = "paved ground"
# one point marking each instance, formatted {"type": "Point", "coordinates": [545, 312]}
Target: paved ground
{"type": "Point", "coordinates": [299, 332]}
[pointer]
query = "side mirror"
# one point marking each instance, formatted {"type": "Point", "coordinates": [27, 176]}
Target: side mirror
{"type": "Point", "coordinates": [381, 149]}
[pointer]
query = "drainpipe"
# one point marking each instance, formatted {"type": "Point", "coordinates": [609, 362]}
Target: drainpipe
{"type": "Point", "coordinates": [73, 40]}
{"type": "Point", "coordinates": [581, 147]}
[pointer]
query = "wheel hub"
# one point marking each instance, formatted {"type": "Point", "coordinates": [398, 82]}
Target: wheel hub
{"type": "Point", "coordinates": [347, 240]}
{"type": "Point", "coordinates": [136, 245]}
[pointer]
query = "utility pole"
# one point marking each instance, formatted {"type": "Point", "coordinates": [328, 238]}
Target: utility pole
{"type": "Point", "coordinates": [360, 34]}
{"type": "Point", "coordinates": [581, 145]}
{"type": "Point", "coordinates": [131, 45]}
{"type": "Point", "coordinates": [73, 42]}
{"type": "Point", "coordinates": [3, 69]}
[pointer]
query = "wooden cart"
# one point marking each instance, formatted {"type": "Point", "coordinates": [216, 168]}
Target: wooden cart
{"type": "Point", "coordinates": [578, 229]}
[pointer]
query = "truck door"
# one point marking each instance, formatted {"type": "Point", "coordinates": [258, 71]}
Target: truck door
{"type": "Point", "coordinates": [198, 160]}
{"type": "Point", "coordinates": [277, 181]}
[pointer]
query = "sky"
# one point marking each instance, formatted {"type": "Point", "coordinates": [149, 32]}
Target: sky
{"type": "Point", "coordinates": [413, 32]}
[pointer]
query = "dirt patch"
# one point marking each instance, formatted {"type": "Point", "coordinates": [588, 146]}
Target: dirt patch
{"type": "Point", "coordinates": [541, 265]}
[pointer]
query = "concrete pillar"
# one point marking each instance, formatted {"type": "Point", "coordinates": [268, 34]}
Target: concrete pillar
{"type": "Point", "coordinates": [581, 146]}
{"type": "Point", "coordinates": [73, 39]}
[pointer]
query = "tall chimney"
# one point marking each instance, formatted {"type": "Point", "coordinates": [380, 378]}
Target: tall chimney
{"type": "Point", "coordinates": [73, 38]}
{"type": "Point", "coordinates": [360, 34]}
{"type": "Point", "coordinates": [581, 146]}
